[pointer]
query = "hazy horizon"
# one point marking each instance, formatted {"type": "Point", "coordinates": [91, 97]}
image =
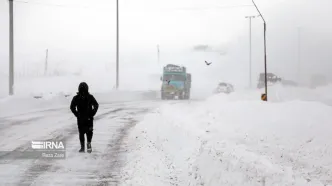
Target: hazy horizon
{"type": "Point", "coordinates": [80, 36]}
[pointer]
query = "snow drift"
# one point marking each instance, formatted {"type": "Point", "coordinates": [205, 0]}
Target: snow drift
{"type": "Point", "coordinates": [229, 141]}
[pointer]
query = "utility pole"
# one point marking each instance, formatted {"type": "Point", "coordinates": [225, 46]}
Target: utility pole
{"type": "Point", "coordinates": [158, 54]}
{"type": "Point", "coordinates": [250, 58]}
{"type": "Point", "coordinates": [117, 44]}
{"type": "Point", "coordinates": [46, 62]}
{"type": "Point", "coordinates": [265, 68]}
{"type": "Point", "coordinates": [11, 47]}
{"type": "Point", "coordinates": [299, 55]}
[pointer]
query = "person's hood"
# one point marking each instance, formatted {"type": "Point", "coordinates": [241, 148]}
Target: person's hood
{"type": "Point", "coordinates": [83, 93]}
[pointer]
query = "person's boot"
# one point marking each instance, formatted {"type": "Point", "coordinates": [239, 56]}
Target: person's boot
{"type": "Point", "coordinates": [89, 148]}
{"type": "Point", "coordinates": [82, 147]}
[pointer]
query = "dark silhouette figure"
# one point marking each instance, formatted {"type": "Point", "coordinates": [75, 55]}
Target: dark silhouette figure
{"type": "Point", "coordinates": [84, 106]}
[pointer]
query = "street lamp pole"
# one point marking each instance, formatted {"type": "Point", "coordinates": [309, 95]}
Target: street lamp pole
{"type": "Point", "coordinates": [11, 47]}
{"type": "Point", "coordinates": [299, 55]}
{"type": "Point", "coordinates": [250, 58]}
{"type": "Point", "coordinates": [117, 44]}
{"type": "Point", "coordinates": [158, 53]}
{"type": "Point", "coordinates": [265, 68]}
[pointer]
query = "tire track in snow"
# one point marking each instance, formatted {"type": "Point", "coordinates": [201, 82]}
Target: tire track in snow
{"type": "Point", "coordinates": [58, 135]}
{"type": "Point", "coordinates": [111, 161]}
{"type": "Point", "coordinates": [84, 169]}
{"type": "Point", "coordinates": [60, 108]}
{"type": "Point", "coordinates": [18, 152]}
{"type": "Point", "coordinates": [112, 158]}
{"type": "Point", "coordinates": [40, 166]}
{"type": "Point", "coordinates": [34, 112]}
{"type": "Point", "coordinates": [16, 157]}
{"type": "Point", "coordinates": [5, 124]}
{"type": "Point", "coordinates": [98, 117]}
{"type": "Point", "coordinates": [8, 122]}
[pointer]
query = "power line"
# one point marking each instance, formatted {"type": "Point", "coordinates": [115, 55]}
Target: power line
{"type": "Point", "coordinates": [55, 5]}
{"type": "Point", "coordinates": [214, 7]}
{"type": "Point", "coordinates": [170, 9]}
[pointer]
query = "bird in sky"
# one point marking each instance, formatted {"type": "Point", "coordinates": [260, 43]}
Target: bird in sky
{"type": "Point", "coordinates": [208, 63]}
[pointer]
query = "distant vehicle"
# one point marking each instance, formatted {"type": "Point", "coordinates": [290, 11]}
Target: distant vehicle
{"type": "Point", "coordinates": [272, 79]}
{"type": "Point", "coordinates": [176, 82]}
{"type": "Point", "coordinates": [224, 88]}
{"type": "Point", "coordinates": [318, 80]}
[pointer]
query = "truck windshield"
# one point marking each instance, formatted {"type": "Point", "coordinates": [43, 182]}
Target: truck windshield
{"type": "Point", "coordinates": [174, 77]}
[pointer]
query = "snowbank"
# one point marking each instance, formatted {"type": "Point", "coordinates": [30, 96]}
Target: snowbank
{"type": "Point", "coordinates": [281, 93]}
{"type": "Point", "coordinates": [229, 141]}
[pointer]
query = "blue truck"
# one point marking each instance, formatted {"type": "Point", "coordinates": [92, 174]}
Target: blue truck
{"type": "Point", "coordinates": [176, 82]}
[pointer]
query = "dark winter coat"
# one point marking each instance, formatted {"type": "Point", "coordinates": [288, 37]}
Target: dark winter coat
{"type": "Point", "coordinates": [84, 106]}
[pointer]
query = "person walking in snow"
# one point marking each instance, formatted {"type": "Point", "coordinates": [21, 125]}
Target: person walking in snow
{"type": "Point", "coordinates": [84, 106]}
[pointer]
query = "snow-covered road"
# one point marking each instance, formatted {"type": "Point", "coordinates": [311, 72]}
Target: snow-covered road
{"type": "Point", "coordinates": [99, 168]}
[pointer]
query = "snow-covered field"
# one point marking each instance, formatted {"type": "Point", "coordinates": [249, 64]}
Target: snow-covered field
{"type": "Point", "coordinates": [234, 140]}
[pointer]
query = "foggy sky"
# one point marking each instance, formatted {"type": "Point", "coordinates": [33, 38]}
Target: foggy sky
{"type": "Point", "coordinates": [298, 28]}
{"type": "Point", "coordinates": [81, 34]}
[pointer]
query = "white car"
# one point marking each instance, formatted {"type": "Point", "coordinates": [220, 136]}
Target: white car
{"type": "Point", "coordinates": [224, 88]}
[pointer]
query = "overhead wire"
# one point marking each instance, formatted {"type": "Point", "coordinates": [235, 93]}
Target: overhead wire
{"type": "Point", "coordinates": [215, 7]}
{"type": "Point", "coordinates": [55, 5]}
{"type": "Point", "coordinates": [167, 9]}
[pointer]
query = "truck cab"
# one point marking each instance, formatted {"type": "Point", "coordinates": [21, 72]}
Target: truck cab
{"type": "Point", "coordinates": [176, 82]}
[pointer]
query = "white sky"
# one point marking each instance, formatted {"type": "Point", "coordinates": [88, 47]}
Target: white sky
{"type": "Point", "coordinates": [81, 34]}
